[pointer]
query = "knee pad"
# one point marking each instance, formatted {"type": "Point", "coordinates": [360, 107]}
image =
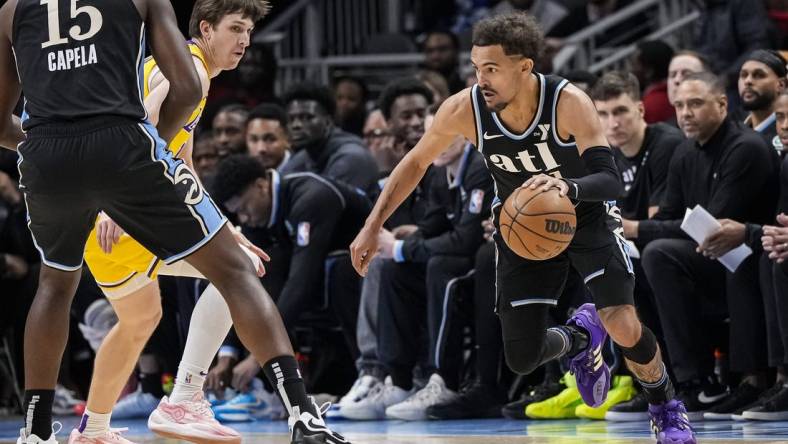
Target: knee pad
{"type": "Point", "coordinates": [644, 350]}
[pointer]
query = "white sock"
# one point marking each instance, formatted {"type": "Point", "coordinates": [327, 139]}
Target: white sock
{"type": "Point", "coordinates": [94, 424]}
{"type": "Point", "coordinates": [208, 327]}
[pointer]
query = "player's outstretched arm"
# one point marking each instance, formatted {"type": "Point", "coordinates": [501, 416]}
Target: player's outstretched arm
{"type": "Point", "coordinates": [453, 118]}
{"type": "Point", "coordinates": [10, 127]}
{"type": "Point", "coordinates": [175, 62]}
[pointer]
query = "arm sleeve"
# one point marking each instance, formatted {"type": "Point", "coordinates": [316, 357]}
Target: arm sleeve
{"type": "Point", "coordinates": [465, 236]}
{"type": "Point", "coordinates": [602, 182]}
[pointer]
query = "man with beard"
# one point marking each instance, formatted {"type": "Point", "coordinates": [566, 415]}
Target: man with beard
{"type": "Point", "coordinates": [266, 135]}
{"type": "Point", "coordinates": [761, 79]}
{"type": "Point", "coordinates": [729, 171]}
{"type": "Point", "coordinates": [228, 129]}
{"type": "Point", "coordinates": [319, 146]}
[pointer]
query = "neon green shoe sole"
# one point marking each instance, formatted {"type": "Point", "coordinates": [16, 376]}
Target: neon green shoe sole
{"type": "Point", "coordinates": [560, 406]}
{"type": "Point", "coordinates": [622, 390]}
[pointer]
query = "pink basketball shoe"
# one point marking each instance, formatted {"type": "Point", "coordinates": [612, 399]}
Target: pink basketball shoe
{"type": "Point", "coordinates": [190, 421]}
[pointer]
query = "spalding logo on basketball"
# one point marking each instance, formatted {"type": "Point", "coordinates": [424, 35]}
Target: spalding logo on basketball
{"type": "Point", "coordinates": [536, 224]}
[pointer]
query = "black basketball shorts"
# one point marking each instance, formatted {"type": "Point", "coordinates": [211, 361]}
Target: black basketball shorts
{"type": "Point", "coordinates": [598, 252]}
{"type": "Point", "coordinates": [70, 172]}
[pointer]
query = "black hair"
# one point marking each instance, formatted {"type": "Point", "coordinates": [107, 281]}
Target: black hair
{"type": "Point", "coordinates": [234, 108]}
{"type": "Point", "coordinates": [312, 91]}
{"type": "Point", "coordinates": [234, 174]}
{"type": "Point", "coordinates": [353, 79]}
{"type": "Point", "coordinates": [518, 33]}
{"type": "Point", "coordinates": [455, 41]}
{"type": "Point", "coordinates": [715, 83]}
{"type": "Point", "coordinates": [402, 87]}
{"type": "Point", "coordinates": [268, 111]}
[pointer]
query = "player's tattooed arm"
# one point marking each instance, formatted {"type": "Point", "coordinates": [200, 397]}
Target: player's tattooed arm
{"type": "Point", "coordinates": [10, 127]}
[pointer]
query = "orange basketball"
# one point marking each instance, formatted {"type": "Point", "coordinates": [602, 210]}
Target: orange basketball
{"type": "Point", "coordinates": [536, 224]}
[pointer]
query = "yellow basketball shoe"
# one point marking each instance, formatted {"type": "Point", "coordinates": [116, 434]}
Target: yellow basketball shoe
{"type": "Point", "coordinates": [622, 390]}
{"type": "Point", "coordinates": [560, 406]}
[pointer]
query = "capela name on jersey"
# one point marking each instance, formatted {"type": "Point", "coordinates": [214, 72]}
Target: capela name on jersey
{"type": "Point", "coordinates": [71, 58]}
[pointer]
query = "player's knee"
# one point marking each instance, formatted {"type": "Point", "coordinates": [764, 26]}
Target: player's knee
{"type": "Point", "coordinates": [622, 323]}
{"type": "Point", "coordinates": [522, 357]}
{"type": "Point", "coordinates": [141, 325]}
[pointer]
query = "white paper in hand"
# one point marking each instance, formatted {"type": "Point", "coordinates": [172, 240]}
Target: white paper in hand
{"type": "Point", "coordinates": [699, 225]}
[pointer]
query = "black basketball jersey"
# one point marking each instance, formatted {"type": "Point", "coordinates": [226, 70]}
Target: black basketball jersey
{"type": "Point", "coordinates": [514, 158]}
{"type": "Point", "coordinates": [79, 59]}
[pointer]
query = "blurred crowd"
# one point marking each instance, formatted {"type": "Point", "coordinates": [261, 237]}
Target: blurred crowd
{"type": "Point", "coordinates": [417, 338]}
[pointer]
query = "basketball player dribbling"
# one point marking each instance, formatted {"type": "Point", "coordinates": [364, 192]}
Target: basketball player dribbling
{"type": "Point", "coordinates": [541, 132]}
{"type": "Point", "coordinates": [90, 147]}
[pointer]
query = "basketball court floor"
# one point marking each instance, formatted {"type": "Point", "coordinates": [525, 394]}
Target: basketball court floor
{"type": "Point", "coordinates": [494, 431]}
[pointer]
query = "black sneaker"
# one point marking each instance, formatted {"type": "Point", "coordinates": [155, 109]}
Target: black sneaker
{"type": "Point", "coordinates": [636, 409]}
{"type": "Point", "coordinates": [744, 395]}
{"type": "Point", "coordinates": [738, 415]}
{"type": "Point", "coordinates": [699, 399]}
{"type": "Point", "coordinates": [545, 390]}
{"type": "Point", "coordinates": [773, 409]}
{"type": "Point", "coordinates": [476, 401]}
{"type": "Point", "coordinates": [308, 429]}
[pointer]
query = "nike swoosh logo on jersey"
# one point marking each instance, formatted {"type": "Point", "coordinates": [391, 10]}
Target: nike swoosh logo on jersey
{"type": "Point", "coordinates": [488, 137]}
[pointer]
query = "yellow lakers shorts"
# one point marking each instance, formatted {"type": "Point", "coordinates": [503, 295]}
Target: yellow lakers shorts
{"type": "Point", "coordinates": [129, 266]}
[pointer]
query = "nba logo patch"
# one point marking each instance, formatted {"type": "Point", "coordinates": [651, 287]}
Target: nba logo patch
{"type": "Point", "coordinates": [302, 235]}
{"type": "Point", "coordinates": [475, 205]}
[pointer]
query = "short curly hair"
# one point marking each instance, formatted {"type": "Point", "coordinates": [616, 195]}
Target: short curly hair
{"type": "Point", "coordinates": [518, 34]}
{"type": "Point", "coordinates": [402, 87]}
{"type": "Point", "coordinates": [312, 91]}
{"type": "Point", "coordinates": [234, 174]}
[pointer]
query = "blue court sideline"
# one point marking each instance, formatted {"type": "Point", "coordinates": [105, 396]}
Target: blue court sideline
{"type": "Point", "coordinates": [566, 431]}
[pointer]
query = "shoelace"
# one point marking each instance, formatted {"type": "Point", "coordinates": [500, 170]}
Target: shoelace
{"type": "Point", "coordinates": [673, 417]}
{"type": "Point", "coordinates": [115, 433]}
{"type": "Point", "coordinates": [582, 370]}
{"type": "Point", "coordinates": [202, 407]}
{"type": "Point", "coordinates": [58, 425]}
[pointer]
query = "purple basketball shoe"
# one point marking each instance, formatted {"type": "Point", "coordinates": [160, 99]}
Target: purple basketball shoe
{"type": "Point", "coordinates": [588, 366]}
{"type": "Point", "coordinates": [670, 423]}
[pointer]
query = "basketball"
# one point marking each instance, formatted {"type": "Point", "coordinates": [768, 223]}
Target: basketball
{"type": "Point", "coordinates": [536, 224]}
